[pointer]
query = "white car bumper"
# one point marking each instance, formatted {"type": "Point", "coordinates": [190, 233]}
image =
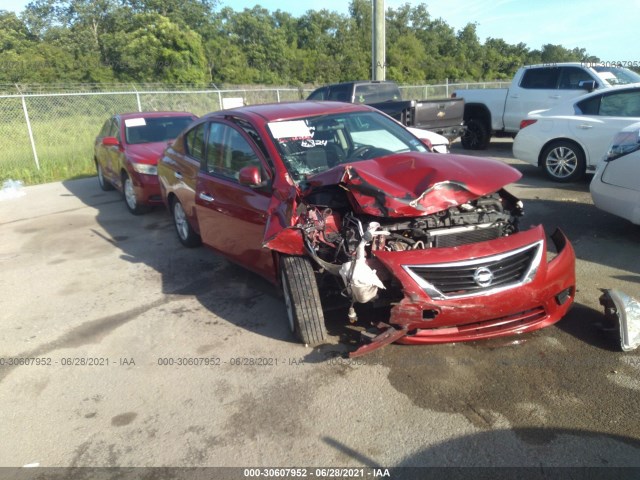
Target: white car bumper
{"type": "Point", "coordinates": [620, 201]}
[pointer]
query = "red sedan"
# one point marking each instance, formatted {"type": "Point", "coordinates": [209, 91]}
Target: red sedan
{"type": "Point", "coordinates": [330, 198]}
{"type": "Point", "coordinates": [126, 153]}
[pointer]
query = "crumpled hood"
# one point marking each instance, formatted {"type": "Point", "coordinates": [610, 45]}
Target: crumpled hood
{"type": "Point", "coordinates": [147, 153]}
{"type": "Point", "coordinates": [415, 184]}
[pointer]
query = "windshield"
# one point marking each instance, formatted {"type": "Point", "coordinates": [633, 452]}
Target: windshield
{"type": "Point", "coordinates": [617, 76]}
{"type": "Point", "coordinates": [315, 144]}
{"type": "Point", "coordinates": [155, 129]}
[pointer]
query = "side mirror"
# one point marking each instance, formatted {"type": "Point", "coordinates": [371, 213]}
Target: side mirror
{"type": "Point", "coordinates": [588, 85]}
{"type": "Point", "coordinates": [250, 176]}
{"type": "Point", "coordinates": [110, 142]}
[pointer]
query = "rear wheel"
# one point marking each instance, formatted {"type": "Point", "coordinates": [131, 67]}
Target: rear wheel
{"type": "Point", "coordinates": [563, 161]}
{"type": "Point", "coordinates": [302, 299]}
{"type": "Point", "coordinates": [476, 135]}
{"type": "Point", "coordinates": [103, 182]}
{"type": "Point", "coordinates": [186, 234]}
{"type": "Point", "coordinates": [130, 198]}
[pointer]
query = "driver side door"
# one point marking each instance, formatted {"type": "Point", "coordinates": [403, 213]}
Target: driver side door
{"type": "Point", "coordinates": [231, 216]}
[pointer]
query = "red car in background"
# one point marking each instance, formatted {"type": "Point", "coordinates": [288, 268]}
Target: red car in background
{"type": "Point", "coordinates": [126, 153]}
{"type": "Point", "coordinates": [330, 198]}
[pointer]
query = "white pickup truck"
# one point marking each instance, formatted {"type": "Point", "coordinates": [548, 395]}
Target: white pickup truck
{"type": "Point", "coordinates": [499, 111]}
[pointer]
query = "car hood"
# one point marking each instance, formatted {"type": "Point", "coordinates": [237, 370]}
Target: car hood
{"type": "Point", "coordinates": [147, 153]}
{"type": "Point", "coordinates": [401, 185]}
{"type": "Point", "coordinates": [415, 184]}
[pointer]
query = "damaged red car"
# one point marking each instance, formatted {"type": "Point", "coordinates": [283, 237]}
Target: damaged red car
{"type": "Point", "coordinates": [323, 197]}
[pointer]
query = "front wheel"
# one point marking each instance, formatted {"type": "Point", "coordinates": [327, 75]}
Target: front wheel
{"type": "Point", "coordinates": [563, 161]}
{"type": "Point", "coordinates": [186, 234]}
{"type": "Point", "coordinates": [301, 296]}
{"type": "Point", "coordinates": [476, 135]}
{"type": "Point", "coordinates": [130, 197]}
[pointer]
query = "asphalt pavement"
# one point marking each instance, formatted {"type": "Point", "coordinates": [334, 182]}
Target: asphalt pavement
{"type": "Point", "coordinates": [119, 347]}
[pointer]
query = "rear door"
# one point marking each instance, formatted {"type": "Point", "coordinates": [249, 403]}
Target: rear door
{"type": "Point", "coordinates": [602, 117]}
{"type": "Point", "coordinates": [538, 89]}
{"type": "Point", "coordinates": [232, 217]}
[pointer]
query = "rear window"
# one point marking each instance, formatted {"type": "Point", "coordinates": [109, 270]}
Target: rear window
{"type": "Point", "coordinates": [377, 93]}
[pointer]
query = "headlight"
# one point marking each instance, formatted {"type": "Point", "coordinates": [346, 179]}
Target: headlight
{"type": "Point", "coordinates": [625, 142]}
{"type": "Point", "coordinates": [144, 168]}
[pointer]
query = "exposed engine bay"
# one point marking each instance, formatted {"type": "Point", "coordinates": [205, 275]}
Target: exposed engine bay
{"type": "Point", "coordinates": [343, 243]}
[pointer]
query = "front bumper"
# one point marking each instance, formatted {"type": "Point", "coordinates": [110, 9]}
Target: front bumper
{"type": "Point", "coordinates": [620, 201]}
{"type": "Point", "coordinates": [147, 188]}
{"type": "Point", "coordinates": [524, 306]}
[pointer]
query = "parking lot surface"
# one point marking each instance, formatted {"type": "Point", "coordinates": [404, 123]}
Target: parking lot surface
{"type": "Point", "coordinates": [119, 347]}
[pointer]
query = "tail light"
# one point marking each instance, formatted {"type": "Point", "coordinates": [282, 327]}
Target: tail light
{"type": "Point", "coordinates": [526, 122]}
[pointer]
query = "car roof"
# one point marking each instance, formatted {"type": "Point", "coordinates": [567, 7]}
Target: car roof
{"type": "Point", "coordinates": [127, 115]}
{"type": "Point", "coordinates": [272, 112]}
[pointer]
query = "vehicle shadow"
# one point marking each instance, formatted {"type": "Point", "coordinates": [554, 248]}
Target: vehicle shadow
{"type": "Point", "coordinates": [528, 453]}
{"type": "Point", "coordinates": [221, 287]}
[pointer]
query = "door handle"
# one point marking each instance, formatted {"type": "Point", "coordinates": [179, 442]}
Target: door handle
{"type": "Point", "coordinates": [555, 97]}
{"type": "Point", "coordinates": [515, 96]}
{"type": "Point", "coordinates": [178, 175]}
{"type": "Point", "coordinates": [205, 196]}
{"type": "Point", "coordinates": [585, 126]}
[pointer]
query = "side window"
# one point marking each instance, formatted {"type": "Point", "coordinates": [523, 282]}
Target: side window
{"type": "Point", "coordinates": [570, 78]}
{"type": "Point", "coordinates": [114, 130]}
{"type": "Point", "coordinates": [319, 94]}
{"type": "Point", "coordinates": [625, 104]}
{"type": "Point", "coordinates": [194, 141]}
{"type": "Point", "coordinates": [590, 106]}
{"type": "Point", "coordinates": [231, 152]}
{"type": "Point", "coordinates": [540, 78]}
{"type": "Point", "coordinates": [215, 148]}
{"type": "Point", "coordinates": [340, 93]}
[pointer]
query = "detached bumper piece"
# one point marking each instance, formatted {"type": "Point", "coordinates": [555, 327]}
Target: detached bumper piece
{"type": "Point", "coordinates": [389, 335]}
{"type": "Point", "coordinates": [623, 311]}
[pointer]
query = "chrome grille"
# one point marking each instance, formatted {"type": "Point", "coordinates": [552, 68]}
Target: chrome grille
{"type": "Point", "coordinates": [448, 280]}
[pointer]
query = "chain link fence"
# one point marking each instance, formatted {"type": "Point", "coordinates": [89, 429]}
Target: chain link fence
{"type": "Point", "coordinates": [49, 136]}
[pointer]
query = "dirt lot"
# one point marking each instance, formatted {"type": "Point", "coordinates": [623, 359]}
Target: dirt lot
{"type": "Point", "coordinates": [107, 301]}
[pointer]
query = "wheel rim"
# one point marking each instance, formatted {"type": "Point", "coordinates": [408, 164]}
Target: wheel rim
{"type": "Point", "coordinates": [562, 162]}
{"type": "Point", "coordinates": [180, 218]}
{"type": "Point", "coordinates": [130, 194]}
{"type": "Point", "coordinates": [471, 136]}
{"type": "Point", "coordinates": [287, 301]}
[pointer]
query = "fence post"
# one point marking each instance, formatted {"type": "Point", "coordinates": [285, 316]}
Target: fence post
{"type": "Point", "coordinates": [278, 95]}
{"type": "Point", "coordinates": [33, 144]}
{"type": "Point", "coordinates": [447, 88]}
{"type": "Point", "coordinates": [219, 100]}
{"type": "Point", "coordinates": [138, 99]}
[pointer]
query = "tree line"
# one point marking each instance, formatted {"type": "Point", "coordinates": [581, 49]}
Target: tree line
{"type": "Point", "coordinates": [191, 41]}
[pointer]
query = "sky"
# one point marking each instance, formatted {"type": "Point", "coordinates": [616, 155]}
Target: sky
{"type": "Point", "coordinates": [606, 30]}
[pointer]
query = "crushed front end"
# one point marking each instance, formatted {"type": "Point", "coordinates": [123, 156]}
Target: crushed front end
{"type": "Point", "coordinates": [446, 260]}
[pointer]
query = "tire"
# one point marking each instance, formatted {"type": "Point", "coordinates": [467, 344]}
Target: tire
{"type": "Point", "coordinates": [563, 161]}
{"type": "Point", "coordinates": [476, 135]}
{"type": "Point", "coordinates": [130, 198]}
{"type": "Point", "coordinates": [186, 234]}
{"type": "Point", "coordinates": [302, 299]}
{"type": "Point", "coordinates": [102, 181]}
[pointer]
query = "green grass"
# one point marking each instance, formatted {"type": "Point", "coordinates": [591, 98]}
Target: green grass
{"type": "Point", "coordinates": [64, 148]}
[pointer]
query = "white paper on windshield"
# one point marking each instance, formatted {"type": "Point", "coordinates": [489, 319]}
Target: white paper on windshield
{"type": "Point", "coordinates": [606, 75]}
{"type": "Point", "coordinates": [134, 122]}
{"type": "Point", "coordinates": [292, 129]}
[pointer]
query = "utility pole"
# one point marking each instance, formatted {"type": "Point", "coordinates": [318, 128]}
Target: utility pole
{"type": "Point", "coordinates": [378, 56]}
